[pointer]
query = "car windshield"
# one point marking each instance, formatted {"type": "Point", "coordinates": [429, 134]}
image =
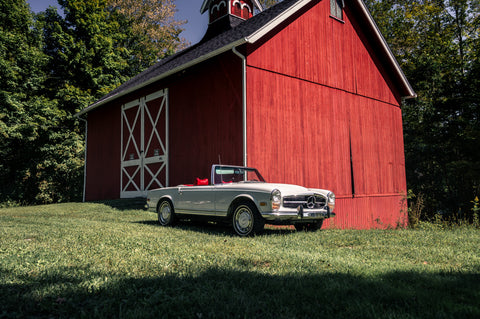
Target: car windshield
{"type": "Point", "coordinates": [229, 174]}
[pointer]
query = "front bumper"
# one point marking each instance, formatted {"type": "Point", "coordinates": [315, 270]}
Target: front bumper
{"type": "Point", "coordinates": [299, 214]}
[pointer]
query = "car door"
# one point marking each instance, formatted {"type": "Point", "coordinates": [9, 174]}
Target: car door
{"type": "Point", "coordinates": [224, 196]}
{"type": "Point", "coordinates": [196, 200]}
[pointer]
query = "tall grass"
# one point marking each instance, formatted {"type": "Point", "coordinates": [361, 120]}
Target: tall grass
{"type": "Point", "coordinates": [95, 261]}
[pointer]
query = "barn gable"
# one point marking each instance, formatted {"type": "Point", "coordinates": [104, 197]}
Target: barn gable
{"type": "Point", "coordinates": [302, 91]}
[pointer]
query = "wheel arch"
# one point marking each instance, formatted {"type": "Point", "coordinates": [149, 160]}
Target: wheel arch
{"type": "Point", "coordinates": [161, 199]}
{"type": "Point", "coordinates": [239, 199]}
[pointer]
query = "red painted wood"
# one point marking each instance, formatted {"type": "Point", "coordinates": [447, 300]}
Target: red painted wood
{"type": "Point", "coordinates": [369, 212]}
{"type": "Point", "coordinates": [298, 138]}
{"type": "Point", "coordinates": [103, 154]}
{"type": "Point", "coordinates": [218, 10]}
{"type": "Point", "coordinates": [331, 108]}
{"type": "Point", "coordinates": [206, 119]}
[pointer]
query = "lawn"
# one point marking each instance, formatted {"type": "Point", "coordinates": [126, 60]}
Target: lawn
{"type": "Point", "coordinates": [97, 261]}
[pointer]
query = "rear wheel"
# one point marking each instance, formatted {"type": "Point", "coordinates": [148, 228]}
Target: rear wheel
{"type": "Point", "coordinates": [166, 213]}
{"type": "Point", "coordinates": [312, 226]}
{"type": "Point", "coordinates": [246, 219]}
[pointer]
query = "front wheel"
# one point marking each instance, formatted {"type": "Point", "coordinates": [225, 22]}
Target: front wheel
{"type": "Point", "coordinates": [246, 220]}
{"type": "Point", "coordinates": [166, 213]}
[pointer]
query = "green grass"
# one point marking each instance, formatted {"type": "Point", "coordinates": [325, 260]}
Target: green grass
{"type": "Point", "coordinates": [96, 261]}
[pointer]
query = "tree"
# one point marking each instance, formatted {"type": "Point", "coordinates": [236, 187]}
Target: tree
{"type": "Point", "coordinates": [99, 44]}
{"type": "Point", "coordinates": [28, 119]}
{"type": "Point", "coordinates": [154, 33]}
{"type": "Point", "coordinates": [86, 58]}
{"type": "Point", "coordinates": [84, 63]}
{"type": "Point", "coordinates": [268, 3]}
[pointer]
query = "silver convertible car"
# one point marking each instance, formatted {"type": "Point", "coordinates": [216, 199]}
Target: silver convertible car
{"type": "Point", "coordinates": [240, 196]}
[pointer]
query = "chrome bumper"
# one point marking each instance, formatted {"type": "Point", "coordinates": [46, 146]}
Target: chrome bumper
{"type": "Point", "coordinates": [298, 214]}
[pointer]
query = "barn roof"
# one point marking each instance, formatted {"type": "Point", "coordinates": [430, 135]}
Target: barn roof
{"type": "Point", "coordinates": [248, 31]}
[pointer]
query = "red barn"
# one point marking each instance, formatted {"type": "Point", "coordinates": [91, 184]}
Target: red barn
{"type": "Point", "coordinates": [307, 91]}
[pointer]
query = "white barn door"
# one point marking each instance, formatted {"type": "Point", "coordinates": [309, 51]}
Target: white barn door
{"type": "Point", "coordinates": [144, 145]}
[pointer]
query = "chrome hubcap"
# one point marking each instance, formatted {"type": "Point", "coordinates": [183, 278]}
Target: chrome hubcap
{"type": "Point", "coordinates": [165, 212]}
{"type": "Point", "coordinates": [243, 220]}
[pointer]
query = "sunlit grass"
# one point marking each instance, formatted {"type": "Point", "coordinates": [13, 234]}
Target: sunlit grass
{"type": "Point", "coordinates": [92, 260]}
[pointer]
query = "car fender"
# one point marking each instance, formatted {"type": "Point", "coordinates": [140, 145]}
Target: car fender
{"type": "Point", "coordinates": [163, 197]}
{"type": "Point", "coordinates": [242, 197]}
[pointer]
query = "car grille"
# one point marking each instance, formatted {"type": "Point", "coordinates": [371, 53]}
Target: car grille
{"type": "Point", "coordinates": [316, 201]}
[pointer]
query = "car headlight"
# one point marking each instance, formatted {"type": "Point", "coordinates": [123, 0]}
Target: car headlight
{"type": "Point", "coordinates": [276, 199]}
{"type": "Point", "coordinates": [331, 201]}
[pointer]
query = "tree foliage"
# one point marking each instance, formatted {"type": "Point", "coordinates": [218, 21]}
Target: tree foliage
{"type": "Point", "coordinates": [154, 32]}
{"type": "Point", "coordinates": [27, 117]}
{"type": "Point", "coordinates": [268, 3]}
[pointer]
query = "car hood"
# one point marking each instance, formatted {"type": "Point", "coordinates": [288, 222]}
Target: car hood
{"type": "Point", "coordinates": [285, 189]}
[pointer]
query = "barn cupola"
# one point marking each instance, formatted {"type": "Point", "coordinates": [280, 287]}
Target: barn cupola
{"type": "Point", "coordinates": [226, 14]}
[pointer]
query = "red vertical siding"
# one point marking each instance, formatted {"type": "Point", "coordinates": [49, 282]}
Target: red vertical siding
{"type": "Point", "coordinates": [330, 118]}
{"type": "Point", "coordinates": [295, 137]}
{"type": "Point", "coordinates": [305, 139]}
{"type": "Point", "coordinates": [369, 212]}
{"type": "Point", "coordinates": [206, 119]}
{"type": "Point", "coordinates": [377, 147]}
{"type": "Point", "coordinates": [103, 154]}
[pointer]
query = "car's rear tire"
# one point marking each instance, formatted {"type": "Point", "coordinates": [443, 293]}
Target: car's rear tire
{"type": "Point", "coordinates": [246, 219]}
{"type": "Point", "coordinates": [166, 213]}
{"type": "Point", "coordinates": [312, 226]}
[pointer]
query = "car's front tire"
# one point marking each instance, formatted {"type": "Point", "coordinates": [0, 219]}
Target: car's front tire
{"type": "Point", "coordinates": [166, 213]}
{"type": "Point", "coordinates": [246, 219]}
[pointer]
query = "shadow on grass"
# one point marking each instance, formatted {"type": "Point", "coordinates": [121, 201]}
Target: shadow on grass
{"type": "Point", "coordinates": [218, 228]}
{"type": "Point", "coordinates": [234, 294]}
{"type": "Point", "coordinates": [125, 204]}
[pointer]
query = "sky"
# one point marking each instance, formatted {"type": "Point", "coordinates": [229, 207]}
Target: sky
{"type": "Point", "coordinates": [194, 29]}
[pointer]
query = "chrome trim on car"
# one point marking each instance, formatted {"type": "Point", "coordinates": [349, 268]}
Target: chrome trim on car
{"type": "Point", "coordinates": [308, 201]}
{"type": "Point", "coordinates": [294, 214]}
